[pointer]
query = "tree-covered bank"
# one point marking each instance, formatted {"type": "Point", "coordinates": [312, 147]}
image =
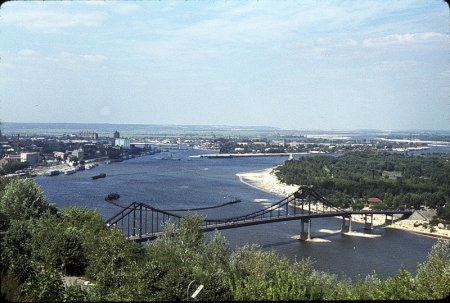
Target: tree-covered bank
{"type": "Point", "coordinates": [400, 181]}
{"type": "Point", "coordinates": [43, 243]}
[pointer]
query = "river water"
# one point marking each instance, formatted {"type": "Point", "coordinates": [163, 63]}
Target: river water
{"type": "Point", "coordinates": [198, 182]}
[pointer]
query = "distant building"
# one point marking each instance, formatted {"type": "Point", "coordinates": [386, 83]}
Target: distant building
{"type": "Point", "coordinates": [393, 175]}
{"type": "Point", "coordinates": [116, 135]}
{"type": "Point", "coordinates": [260, 143]}
{"type": "Point", "coordinates": [122, 142]}
{"type": "Point", "coordinates": [140, 145]}
{"type": "Point", "coordinates": [79, 153]}
{"type": "Point", "coordinates": [31, 158]}
{"type": "Point", "coordinates": [373, 200]}
{"type": "Point", "coordinates": [88, 135]}
{"type": "Point", "coordinates": [9, 159]}
{"type": "Point", "coordinates": [59, 155]}
{"type": "Point", "coordinates": [278, 142]}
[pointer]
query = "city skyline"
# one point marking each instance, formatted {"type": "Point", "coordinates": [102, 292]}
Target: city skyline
{"type": "Point", "coordinates": [287, 64]}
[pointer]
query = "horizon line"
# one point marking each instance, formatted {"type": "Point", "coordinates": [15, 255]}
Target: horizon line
{"type": "Point", "coordinates": [250, 127]}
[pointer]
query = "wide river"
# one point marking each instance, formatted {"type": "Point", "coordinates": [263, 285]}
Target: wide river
{"type": "Point", "coordinates": [198, 182]}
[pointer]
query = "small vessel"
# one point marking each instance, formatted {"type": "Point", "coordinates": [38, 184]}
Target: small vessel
{"type": "Point", "coordinates": [170, 157]}
{"type": "Point", "coordinates": [52, 172]}
{"type": "Point", "coordinates": [70, 171]}
{"type": "Point", "coordinates": [112, 196]}
{"type": "Point", "coordinates": [102, 175]}
{"type": "Point", "coordinates": [81, 167]}
{"type": "Point", "coordinates": [218, 156]}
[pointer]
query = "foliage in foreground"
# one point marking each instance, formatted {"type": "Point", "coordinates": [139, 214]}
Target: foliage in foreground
{"type": "Point", "coordinates": [39, 249]}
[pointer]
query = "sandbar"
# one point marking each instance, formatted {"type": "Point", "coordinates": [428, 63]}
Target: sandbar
{"type": "Point", "coordinates": [267, 181]}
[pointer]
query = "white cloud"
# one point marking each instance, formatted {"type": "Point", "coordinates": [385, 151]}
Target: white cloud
{"type": "Point", "coordinates": [27, 52]}
{"type": "Point", "coordinates": [6, 66]}
{"type": "Point", "coordinates": [125, 8]}
{"type": "Point", "coordinates": [405, 39]}
{"type": "Point", "coordinates": [67, 57]}
{"type": "Point", "coordinates": [400, 65]}
{"type": "Point", "coordinates": [93, 58]}
{"type": "Point", "coordinates": [50, 20]}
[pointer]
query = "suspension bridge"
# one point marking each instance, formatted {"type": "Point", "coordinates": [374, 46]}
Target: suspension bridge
{"type": "Point", "coordinates": [141, 222]}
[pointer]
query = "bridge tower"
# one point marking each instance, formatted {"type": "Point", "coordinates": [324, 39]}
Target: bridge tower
{"type": "Point", "coordinates": [346, 228]}
{"type": "Point", "coordinates": [305, 235]}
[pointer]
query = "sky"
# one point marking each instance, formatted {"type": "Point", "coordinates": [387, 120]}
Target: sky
{"type": "Point", "coordinates": [288, 64]}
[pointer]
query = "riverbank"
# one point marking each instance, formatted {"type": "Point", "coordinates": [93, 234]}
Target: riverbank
{"type": "Point", "coordinates": [41, 170]}
{"type": "Point", "coordinates": [267, 181]}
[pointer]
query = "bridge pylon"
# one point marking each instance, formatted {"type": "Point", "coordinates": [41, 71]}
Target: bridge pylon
{"type": "Point", "coordinates": [368, 225]}
{"type": "Point", "coordinates": [305, 235]}
{"type": "Point", "coordinates": [346, 228]}
{"type": "Point", "coordinates": [388, 221]}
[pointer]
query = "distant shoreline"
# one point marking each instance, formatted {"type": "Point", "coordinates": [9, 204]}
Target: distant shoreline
{"type": "Point", "coordinates": [250, 155]}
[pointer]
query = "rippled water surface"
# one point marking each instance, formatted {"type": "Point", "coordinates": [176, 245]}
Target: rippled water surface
{"type": "Point", "coordinates": [198, 182]}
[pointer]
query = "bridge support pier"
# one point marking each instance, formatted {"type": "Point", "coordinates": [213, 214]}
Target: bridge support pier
{"type": "Point", "coordinates": [387, 221]}
{"type": "Point", "coordinates": [368, 225]}
{"type": "Point", "coordinates": [305, 235]}
{"type": "Point", "coordinates": [344, 227]}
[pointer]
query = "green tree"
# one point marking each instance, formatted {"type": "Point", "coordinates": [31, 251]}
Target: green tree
{"type": "Point", "coordinates": [43, 285]}
{"type": "Point", "coordinates": [443, 213]}
{"type": "Point", "coordinates": [72, 252]}
{"type": "Point", "coordinates": [17, 249]}
{"type": "Point", "coordinates": [107, 258]}
{"type": "Point", "coordinates": [23, 199]}
{"type": "Point", "coordinates": [13, 166]}
{"type": "Point", "coordinates": [433, 276]}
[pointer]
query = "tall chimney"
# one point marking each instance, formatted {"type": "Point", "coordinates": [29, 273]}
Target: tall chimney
{"type": "Point", "coordinates": [18, 138]}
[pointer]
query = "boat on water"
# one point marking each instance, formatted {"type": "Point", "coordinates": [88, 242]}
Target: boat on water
{"type": "Point", "coordinates": [170, 157]}
{"type": "Point", "coordinates": [218, 156]}
{"type": "Point", "coordinates": [70, 171]}
{"type": "Point", "coordinates": [102, 175]}
{"type": "Point", "coordinates": [112, 196]}
{"type": "Point", "coordinates": [52, 172]}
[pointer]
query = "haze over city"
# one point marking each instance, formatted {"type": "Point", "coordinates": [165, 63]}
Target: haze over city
{"type": "Point", "coordinates": [287, 64]}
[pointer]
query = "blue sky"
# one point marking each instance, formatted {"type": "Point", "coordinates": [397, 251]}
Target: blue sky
{"type": "Point", "coordinates": [288, 64]}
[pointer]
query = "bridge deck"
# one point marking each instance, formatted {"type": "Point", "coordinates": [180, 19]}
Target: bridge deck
{"type": "Point", "coordinates": [217, 225]}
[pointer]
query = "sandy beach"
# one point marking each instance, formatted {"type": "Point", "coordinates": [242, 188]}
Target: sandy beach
{"type": "Point", "coordinates": [267, 181]}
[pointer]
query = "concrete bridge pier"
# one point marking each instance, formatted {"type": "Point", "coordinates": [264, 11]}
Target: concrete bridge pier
{"type": "Point", "coordinates": [389, 221]}
{"type": "Point", "coordinates": [346, 228]}
{"type": "Point", "coordinates": [368, 225]}
{"type": "Point", "coordinates": [305, 235]}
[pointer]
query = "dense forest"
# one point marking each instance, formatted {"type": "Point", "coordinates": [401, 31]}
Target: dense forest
{"type": "Point", "coordinates": [400, 181]}
{"type": "Point", "coordinates": [43, 246]}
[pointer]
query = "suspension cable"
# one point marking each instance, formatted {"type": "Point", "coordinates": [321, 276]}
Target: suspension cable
{"type": "Point", "coordinates": [186, 209]}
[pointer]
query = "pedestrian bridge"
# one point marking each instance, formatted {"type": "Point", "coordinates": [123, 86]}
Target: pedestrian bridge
{"type": "Point", "coordinates": [141, 222]}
